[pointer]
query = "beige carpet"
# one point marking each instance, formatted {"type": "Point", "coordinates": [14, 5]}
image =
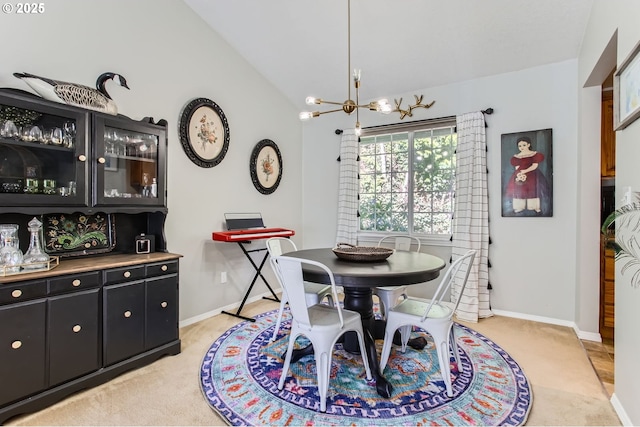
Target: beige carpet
{"type": "Point", "coordinates": [566, 390]}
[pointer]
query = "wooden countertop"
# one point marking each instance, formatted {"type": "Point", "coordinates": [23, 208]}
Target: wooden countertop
{"type": "Point", "coordinates": [83, 264]}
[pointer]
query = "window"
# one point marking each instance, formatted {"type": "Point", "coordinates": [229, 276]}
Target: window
{"type": "Point", "coordinates": [407, 178]}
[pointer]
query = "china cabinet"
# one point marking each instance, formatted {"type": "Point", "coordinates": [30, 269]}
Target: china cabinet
{"type": "Point", "coordinates": [98, 163]}
{"type": "Point", "coordinates": [82, 186]}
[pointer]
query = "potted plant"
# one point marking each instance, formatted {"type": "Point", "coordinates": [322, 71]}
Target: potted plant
{"type": "Point", "coordinates": [626, 242]}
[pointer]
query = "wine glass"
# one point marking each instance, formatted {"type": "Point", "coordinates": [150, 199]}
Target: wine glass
{"type": "Point", "coordinates": [57, 136]}
{"type": "Point", "coordinates": [9, 130]}
{"type": "Point", "coordinates": [69, 132]}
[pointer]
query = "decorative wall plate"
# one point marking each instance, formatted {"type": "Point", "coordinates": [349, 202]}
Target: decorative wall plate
{"type": "Point", "coordinates": [266, 166]}
{"type": "Point", "coordinates": [204, 132]}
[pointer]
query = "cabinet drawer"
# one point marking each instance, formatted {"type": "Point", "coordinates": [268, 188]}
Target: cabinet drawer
{"type": "Point", "coordinates": [22, 291]}
{"type": "Point", "coordinates": [22, 350]}
{"type": "Point", "coordinates": [74, 282]}
{"type": "Point", "coordinates": [124, 274]}
{"type": "Point", "coordinates": [73, 332]}
{"type": "Point", "coordinates": [161, 268]}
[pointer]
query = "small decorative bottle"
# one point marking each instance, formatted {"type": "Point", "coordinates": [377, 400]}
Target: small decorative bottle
{"type": "Point", "coordinates": [154, 188]}
{"type": "Point", "coordinates": [10, 255]}
{"type": "Point", "coordinates": [35, 258]}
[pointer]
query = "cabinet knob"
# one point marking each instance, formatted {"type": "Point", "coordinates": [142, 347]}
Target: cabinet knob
{"type": "Point", "coordinates": [16, 345]}
{"type": "Point", "coordinates": [76, 328]}
{"type": "Point", "coordinates": [127, 313]}
{"type": "Point", "coordinates": [127, 274]}
{"type": "Point", "coordinates": [164, 268]}
{"type": "Point", "coordinates": [102, 160]}
{"type": "Point", "coordinates": [16, 293]}
{"type": "Point", "coordinates": [163, 304]}
{"type": "Point", "coordinates": [76, 282]}
{"type": "Point", "coordinates": [82, 158]}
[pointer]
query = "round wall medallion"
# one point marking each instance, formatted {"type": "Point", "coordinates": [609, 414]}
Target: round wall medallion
{"type": "Point", "coordinates": [204, 132]}
{"type": "Point", "coordinates": [266, 166]}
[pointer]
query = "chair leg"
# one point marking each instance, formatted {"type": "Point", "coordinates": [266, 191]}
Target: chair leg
{"type": "Point", "coordinates": [386, 349]}
{"type": "Point", "coordinates": [323, 372]}
{"type": "Point", "coordinates": [405, 334]}
{"type": "Point", "coordinates": [287, 360]}
{"type": "Point", "coordinates": [442, 348]}
{"type": "Point", "coordinates": [363, 353]}
{"type": "Point", "coordinates": [453, 344]}
{"type": "Point", "coordinates": [283, 302]}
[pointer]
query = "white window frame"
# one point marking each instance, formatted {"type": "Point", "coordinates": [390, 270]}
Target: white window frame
{"type": "Point", "coordinates": [372, 237]}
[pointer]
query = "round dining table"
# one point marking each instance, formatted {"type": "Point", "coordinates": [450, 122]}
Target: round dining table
{"type": "Point", "coordinates": [358, 279]}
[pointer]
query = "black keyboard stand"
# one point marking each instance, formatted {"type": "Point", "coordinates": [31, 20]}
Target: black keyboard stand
{"type": "Point", "coordinates": [258, 269]}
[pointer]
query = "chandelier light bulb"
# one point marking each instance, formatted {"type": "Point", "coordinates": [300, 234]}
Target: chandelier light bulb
{"type": "Point", "coordinates": [384, 107]}
{"type": "Point", "coordinates": [305, 115]}
{"type": "Point", "coordinates": [358, 129]}
{"type": "Point", "coordinates": [311, 100]}
{"type": "Point", "coordinates": [356, 75]}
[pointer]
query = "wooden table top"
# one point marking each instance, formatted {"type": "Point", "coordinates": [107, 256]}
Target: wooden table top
{"type": "Point", "coordinates": [401, 268]}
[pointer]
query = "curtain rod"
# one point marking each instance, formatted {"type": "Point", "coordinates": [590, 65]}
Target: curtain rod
{"type": "Point", "coordinates": [488, 111]}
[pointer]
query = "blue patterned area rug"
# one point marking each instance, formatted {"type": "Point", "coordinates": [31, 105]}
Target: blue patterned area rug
{"type": "Point", "coordinates": [240, 372]}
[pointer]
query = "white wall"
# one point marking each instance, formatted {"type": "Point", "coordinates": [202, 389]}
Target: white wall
{"type": "Point", "coordinates": [169, 57]}
{"type": "Point", "coordinates": [607, 17]}
{"type": "Point", "coordinates": [533, 259]}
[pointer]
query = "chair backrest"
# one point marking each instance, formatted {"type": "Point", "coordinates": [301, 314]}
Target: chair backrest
{"type": "Point", "coordinates": [280, 245]}
{"type": "Point", "coordinates": [458, 271]}
{"type": "Point", "coordinates": [290, 271]}
{"type": "Point", "coordinates": [401, 243]}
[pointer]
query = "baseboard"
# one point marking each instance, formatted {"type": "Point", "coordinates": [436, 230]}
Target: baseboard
{"type": "Point", "coordinates": [229, 308]}
{"type": "Point", "coordinates": [589, 336]}
{"type": "Point", "coordinates": [622, 414]}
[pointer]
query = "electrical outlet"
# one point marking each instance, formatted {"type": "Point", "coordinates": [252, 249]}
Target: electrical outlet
{"type": "Point", "coordinates": [223, 277]}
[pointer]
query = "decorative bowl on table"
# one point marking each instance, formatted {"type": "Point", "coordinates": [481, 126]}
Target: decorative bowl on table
{"type": "Point", "coordinates": [349, 252]}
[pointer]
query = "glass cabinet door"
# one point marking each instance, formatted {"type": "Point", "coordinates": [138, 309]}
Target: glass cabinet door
{"type": "Point", "coordinates": [43, 153]}
{"type": "Point", "coordinates": [130, 163]}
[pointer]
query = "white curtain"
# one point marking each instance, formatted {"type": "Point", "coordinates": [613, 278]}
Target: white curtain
{"type": "Point", "coordinates": [471, 216]}
{"type": "Point", "coordinates": [348, 189]}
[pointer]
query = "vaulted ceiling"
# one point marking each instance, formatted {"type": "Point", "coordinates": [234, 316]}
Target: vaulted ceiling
{"type": "Point", "coordinates": [301, 46]}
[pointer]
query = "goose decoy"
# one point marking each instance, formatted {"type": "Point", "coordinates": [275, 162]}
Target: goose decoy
{"type": "Point", "coordinates": [75, 94]}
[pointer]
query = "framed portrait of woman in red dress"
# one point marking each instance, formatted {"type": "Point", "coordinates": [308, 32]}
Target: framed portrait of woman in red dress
{"type": "Point", "coordinates": [527, 174]}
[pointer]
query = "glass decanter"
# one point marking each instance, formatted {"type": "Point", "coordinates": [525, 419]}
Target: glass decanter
{"type": "Point", "coordinates": [11, 229]}
{"type": "Point", "coordinates": [35, 258]}
{"type": "Point", "coordinates": [10, 254]}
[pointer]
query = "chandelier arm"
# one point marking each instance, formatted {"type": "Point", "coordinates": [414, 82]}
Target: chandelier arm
{"type": "Point", "coordinates": [331, 102]}
{"type": "Point", "coordinates": [329, 111]}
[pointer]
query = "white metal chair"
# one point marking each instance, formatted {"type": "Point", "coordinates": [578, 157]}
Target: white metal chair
{"type": "Point", "coordinates": [314, 292]}
{"type": "Point", "coordinates": [434, 316]}
{"type": "Point", "coordinates": [389, 295]}
{"type": "Point", "coordinates": [321, 324]}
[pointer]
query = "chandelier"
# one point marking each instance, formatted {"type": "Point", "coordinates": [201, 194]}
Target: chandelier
{"type": "Point", "coordinates": [349, 106]}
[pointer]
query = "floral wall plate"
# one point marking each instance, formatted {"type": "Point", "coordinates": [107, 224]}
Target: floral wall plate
{"type": "Point", "coordinates": [204, 132]}
{"type": "Point", "coordinates": [265, 166]}
{"type": "Point", "coordinates": [78, 234]}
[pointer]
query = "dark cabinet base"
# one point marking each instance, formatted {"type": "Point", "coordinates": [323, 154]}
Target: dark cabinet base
{"type": "Point", "coordinates": [83, 323]}
{"type": "Point", "coordinates": [53, 395]}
